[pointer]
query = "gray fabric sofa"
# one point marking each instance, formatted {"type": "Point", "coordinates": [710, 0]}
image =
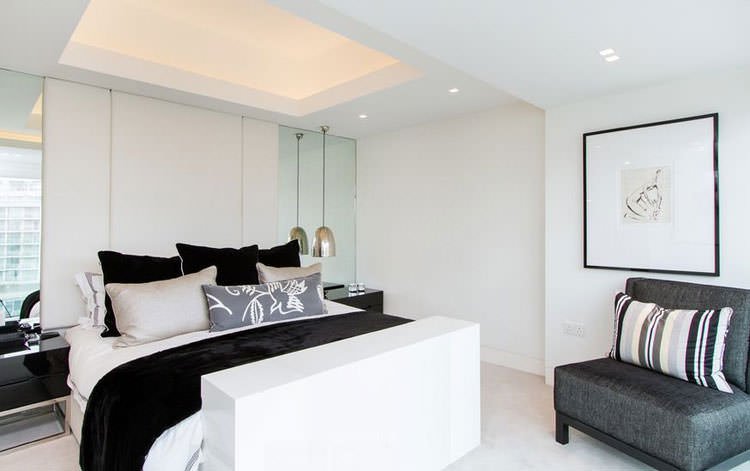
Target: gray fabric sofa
{"type": "Point", "coordinates": [665, 422]}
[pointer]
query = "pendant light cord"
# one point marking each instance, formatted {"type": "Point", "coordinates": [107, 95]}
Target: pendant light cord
{"type": "Point", "coordinates": [324, 177]}
{"type": "Point", "coordinates": [299, 137]}
{"type": "Point", "coordinates": [325, 131]}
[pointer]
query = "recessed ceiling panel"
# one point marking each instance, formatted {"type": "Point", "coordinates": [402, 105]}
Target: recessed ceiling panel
{"type": "Point", "coordinates": [270, 58]}
{"type": "Point", "coordinates": [21, 110]}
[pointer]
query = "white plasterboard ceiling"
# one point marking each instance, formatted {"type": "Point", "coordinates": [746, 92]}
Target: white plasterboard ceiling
{"type": "Point", "coordinates": [542, 51]}
{"type": "Point", "coordinates": [402, 86]}
{"type": "Point", "coordinates": [245, 51]}
{"type": "Point", "coordinates": [546, 52]}
{"type": "Point", "coordinates": [245, 42]}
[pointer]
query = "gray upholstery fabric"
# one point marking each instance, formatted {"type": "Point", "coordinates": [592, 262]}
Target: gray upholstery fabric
{"type": "Point", "coordinates": [675, 294]}
{"type": "Point", "coordinates": [684, 424]}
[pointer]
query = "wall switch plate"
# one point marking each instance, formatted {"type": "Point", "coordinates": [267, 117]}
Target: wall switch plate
{"type": "Point", "coordinates": [574, 328]}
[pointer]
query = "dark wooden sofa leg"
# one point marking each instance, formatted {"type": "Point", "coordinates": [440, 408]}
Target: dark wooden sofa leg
{"type": "Point", "coordinates": [562, 435]}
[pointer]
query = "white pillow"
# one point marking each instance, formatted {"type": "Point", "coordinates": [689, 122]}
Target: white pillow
{"type": "Point", "coordinates": [268, 274]}
{"type": "Point", "coordinates": [160, 309]}
{"type": "Point", "coordinates": [92, 290]}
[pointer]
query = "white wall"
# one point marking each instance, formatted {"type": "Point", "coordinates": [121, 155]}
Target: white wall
{"type": "Point", "coordinates": [137, 175]}
{"type": "Point", "coordinates": [450, 221]}
{"type": "Point", "coordinates": [586, 295]}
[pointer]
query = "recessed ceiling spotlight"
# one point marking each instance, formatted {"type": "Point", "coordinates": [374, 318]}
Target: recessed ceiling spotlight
{"type": "Point", "coordinates": [606, 52]}
{"type": "Point", "coordinates": [612, 58]}
{"type": "Point", "coordinates": [363, 116]}
{"type": "Point", "coordinates": [453, 90]}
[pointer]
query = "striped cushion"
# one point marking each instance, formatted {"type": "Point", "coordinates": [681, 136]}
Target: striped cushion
{"type": "Point", "coordinates": [682, 343]}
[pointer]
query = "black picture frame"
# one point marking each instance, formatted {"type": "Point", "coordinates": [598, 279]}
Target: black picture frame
{"type": "Point", "coordinates": [714, 145]}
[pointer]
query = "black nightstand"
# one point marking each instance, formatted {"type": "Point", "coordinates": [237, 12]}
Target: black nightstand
{"type": "Point", "coordinates": [369, 299]}
{"type": "Point", "coordinates": [35, 377]}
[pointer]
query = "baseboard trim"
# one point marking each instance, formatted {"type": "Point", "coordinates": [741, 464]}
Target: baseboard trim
{"type": "Point", "coordinates": [512, 360]}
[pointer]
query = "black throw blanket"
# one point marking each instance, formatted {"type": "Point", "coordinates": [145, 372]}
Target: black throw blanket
{"type": "Point", "coordinates": [134, 403]}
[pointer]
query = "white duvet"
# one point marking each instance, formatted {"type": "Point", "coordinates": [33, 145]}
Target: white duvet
{"type": "Point", "coordinates": [92, 357]}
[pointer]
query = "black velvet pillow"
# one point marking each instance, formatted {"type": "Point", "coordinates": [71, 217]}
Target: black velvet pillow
{"type": "Point", "coordinates": [122, 268]}
{"type": "Point", "coordinates": [286, 255]}
{"type": "Point", "coordinates": [233, 266]}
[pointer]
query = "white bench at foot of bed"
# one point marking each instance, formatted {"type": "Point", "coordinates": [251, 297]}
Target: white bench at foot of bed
{"type": "Point", "coordinates": [403, 398]}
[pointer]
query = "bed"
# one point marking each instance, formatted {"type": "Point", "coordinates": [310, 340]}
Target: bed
{"type": "Point", "coordinates": [227, 359]}
{"type": "Point", "coordinates": [92, 357]}
{"type": "Point", "coordinates": [108, 437]}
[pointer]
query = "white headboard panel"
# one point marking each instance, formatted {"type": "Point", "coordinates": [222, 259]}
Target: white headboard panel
{"type": "Point", "coordinates": [176, 176]}
{"type": "Point", "coordinates": [136, 174]}
{"type": "Point", "coordinates": [75, 193]}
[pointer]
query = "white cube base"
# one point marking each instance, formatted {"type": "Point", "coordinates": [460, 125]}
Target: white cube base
{"type": "Point", "coordinates": [403, 398]}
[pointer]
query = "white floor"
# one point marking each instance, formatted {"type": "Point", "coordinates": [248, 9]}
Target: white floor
{"type": "Point", "coordinates": [28, 426]}
{"type": "Point", "coordinates": [517, 434]}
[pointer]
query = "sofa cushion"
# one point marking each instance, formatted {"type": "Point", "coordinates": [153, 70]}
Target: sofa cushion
{"type": "Point", "coordinates": [681, 295]}
{"type": "Point", "coordinates": [681, 423]}
{"type": "Point", "coordinates": [683, 343]}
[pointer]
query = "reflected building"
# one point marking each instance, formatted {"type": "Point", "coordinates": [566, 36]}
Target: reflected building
{"type": "Point", "coordinates": [20, 241]}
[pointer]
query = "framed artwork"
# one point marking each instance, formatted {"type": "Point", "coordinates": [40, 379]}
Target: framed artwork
{"type": "Point", "coordinates": [651, 197]}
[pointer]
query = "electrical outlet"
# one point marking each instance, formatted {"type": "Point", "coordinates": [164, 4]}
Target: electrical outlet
{"type": "Point", "coordinates": [574, 328]}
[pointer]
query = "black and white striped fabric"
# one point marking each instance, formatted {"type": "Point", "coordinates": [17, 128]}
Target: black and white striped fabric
{"type": "Point", "coordinates": [686, 344]}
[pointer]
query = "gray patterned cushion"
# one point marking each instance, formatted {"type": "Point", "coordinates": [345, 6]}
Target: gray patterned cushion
{"type": "Point", "coordinates": [230, 307]}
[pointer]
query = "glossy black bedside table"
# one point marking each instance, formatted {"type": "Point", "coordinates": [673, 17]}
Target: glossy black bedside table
{"type": "Point", "coordinates": [35, 377]}
{"type": "Point", "coordinates": [369, 299]}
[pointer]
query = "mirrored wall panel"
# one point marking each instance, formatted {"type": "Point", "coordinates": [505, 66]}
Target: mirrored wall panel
{"type": "Point", "coordinates": [20, 192]}
{"type": "Point", "coordinates": [340, 195]}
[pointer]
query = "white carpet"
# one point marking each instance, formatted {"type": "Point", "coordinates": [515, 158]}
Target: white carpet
{"type": "Point", "coordinates": [517, 434]}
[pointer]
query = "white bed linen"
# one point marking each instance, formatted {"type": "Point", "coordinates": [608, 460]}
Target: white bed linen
{"type": "Point", "coordinates": [92, 356]}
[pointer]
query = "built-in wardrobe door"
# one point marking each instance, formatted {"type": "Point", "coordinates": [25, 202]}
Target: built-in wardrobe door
{"type": "Point", "coordinates": [75, 194]}
{"type": "Point", "coordinates": [176, 176]}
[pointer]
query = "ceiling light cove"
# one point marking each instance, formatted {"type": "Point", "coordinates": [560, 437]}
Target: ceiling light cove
{"type": "Point", "coordinates": [243, 51]}
{"type": "Point", "coordinates": [363, 116]}
{"type": "Point", "coordinates": [453, 90]}
{"type": "Point", "coordinates": [612, 58]}
{"type": "Point", "coordinates": [606, 52]}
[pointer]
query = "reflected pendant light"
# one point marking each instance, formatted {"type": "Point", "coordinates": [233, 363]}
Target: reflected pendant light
{"type": "Point", "coordinates": [297, 232]}
{"type": "Point", "coordinates": [324, 245]}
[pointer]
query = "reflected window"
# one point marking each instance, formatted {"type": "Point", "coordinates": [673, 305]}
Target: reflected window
{"type": "Point", "coordinates": [20, 188]}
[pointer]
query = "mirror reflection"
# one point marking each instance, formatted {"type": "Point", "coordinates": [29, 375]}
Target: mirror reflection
{"type": "Point", "coordinates": [340, 195]}
{"type": "Point", "coordinates": [20, 193]}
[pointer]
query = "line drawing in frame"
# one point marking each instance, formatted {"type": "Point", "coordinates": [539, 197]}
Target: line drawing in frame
{"type": "Point", "coordinates": [645, 201]}
{"type": "Point", "coordinates": [646, 195]}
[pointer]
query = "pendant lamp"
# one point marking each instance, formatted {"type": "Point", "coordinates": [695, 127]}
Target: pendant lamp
{"type": "Point", "coordinates": [297, 232]}
{"type": "Point", "coordinates": [324, 244]}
